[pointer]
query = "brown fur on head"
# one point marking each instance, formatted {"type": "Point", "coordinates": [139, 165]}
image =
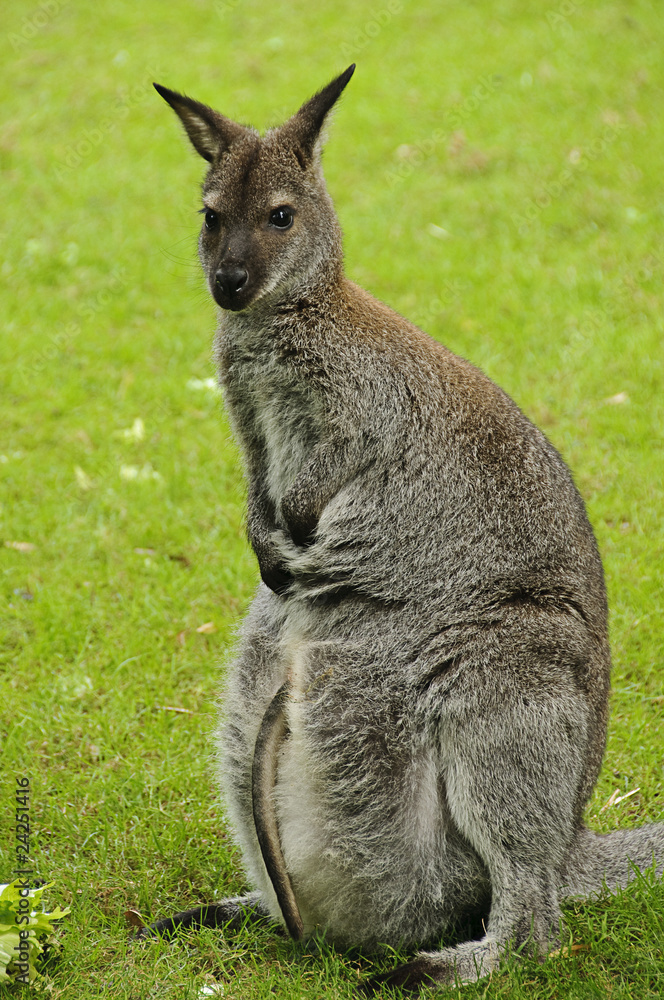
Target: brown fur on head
{"type": "Point", "coordinates": [265, 202]}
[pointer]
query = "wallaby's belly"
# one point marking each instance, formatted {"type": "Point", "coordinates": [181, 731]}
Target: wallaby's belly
{"type": "Point", "coordinates": [347, 884]}
{"type": "Point", "coordinates": [360, 803]}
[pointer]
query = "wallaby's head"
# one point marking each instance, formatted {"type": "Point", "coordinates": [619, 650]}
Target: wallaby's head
{"type": "Point", "coordinates": [268, 220]}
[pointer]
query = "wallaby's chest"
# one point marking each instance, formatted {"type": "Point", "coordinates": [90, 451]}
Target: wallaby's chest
{"type": "Point", "coordinates": [277, 417]}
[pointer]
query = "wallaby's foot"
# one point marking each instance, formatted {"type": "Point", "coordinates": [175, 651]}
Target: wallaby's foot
{"type": "Point", "coordinates": [466, 963]}
{"type": "Point", "coordinates": [409, 977]}
{"type": "Point", "coordinates": [228, 913]}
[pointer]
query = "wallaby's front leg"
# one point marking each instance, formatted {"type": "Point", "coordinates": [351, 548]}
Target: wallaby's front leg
{"type": "Point", "coordinates": [332, 464]}
{"type": "Point", "coordinates": [229, 913]}
{"type": "Point", "coordinates": [260, 527]}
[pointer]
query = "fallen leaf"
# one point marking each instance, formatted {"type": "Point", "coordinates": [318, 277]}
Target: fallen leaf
{"type": "Point", "coordinates": [568, 950]}
{"type": "Point", "coordinates": [82, 478]}
{"type": "Point", "coordinates": [180, 638]}
{"type": "Point", "coordinates": [21, 546]}
{"type": "Point", "coordinates": [84, 437]}
{"type": "Point", "coordinates": [457, 142]}
{"type": "Point", "coordinates": [621, 798]}
{"type": "Point", "coordinates": [616, 797]}
{"type": "Point", "coordinates": [620, 397]}
{"type": "Point", "coordinates": [134, 919]}
{"type": "Point", "coordinates": [611, 117]}
{"type": "Point", "coordinates": [207, 628]}
{"type": "Point", "coordinates": [609, 802]}
{"type": "Point", "coordinates": [437, 231]}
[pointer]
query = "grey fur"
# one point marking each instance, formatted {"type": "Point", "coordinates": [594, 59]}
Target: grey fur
{"type": "Point", "coordinates": [433, 595]}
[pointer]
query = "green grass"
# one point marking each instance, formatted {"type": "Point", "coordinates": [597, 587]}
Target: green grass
{"type": "Point", "coordinates": [530, 139]}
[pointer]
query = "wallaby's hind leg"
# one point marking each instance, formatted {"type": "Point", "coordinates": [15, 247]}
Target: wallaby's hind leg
{"type": "Point", "coordinates": [513, 759]}
{"type": "Point", "coordinates": [230, 913]}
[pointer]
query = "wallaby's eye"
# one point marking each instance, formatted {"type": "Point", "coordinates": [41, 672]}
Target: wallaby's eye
{"type": "Point", "coordinates": [281, 217]}
{"type": "Point", "coordinates": [211, 219]}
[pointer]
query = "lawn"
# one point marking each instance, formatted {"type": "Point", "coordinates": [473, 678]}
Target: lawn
{"type": "Point", "coordinates": [497, 168]}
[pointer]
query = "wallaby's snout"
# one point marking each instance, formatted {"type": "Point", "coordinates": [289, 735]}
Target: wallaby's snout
{"type": "Point", "coordinates": [229, 282]}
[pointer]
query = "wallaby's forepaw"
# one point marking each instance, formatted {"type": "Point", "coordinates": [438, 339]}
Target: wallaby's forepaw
{"type": "Point", "coordinates": [300, 520]}
{"type": "Point", "coordinates": [276, 578]}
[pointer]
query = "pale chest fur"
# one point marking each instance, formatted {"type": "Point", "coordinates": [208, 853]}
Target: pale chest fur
{"type": "Point", "coordinates": [276, 416]}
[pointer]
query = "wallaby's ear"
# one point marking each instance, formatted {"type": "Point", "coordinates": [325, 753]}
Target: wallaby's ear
{"type": "Point", "coordinates": [304, 127]}
{"type": "Point", "coordinates": [210, 133]}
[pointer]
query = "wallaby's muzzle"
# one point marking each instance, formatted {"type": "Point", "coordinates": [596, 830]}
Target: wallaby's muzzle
{"type": "Point", "coordinates": [230, 281]}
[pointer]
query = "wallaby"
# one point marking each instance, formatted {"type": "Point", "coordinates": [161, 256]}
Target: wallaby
{"type": "Point", "coordinates": [417, 712]}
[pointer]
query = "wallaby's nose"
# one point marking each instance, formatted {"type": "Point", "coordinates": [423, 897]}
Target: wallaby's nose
{"type": "Point", "coordinates": [229, 281]}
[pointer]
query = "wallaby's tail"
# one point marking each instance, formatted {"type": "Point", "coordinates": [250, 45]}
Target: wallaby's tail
{"type": "Point", "coordinates": [263, 778]}
{"type": "Point", "coordinates": [596, 858]}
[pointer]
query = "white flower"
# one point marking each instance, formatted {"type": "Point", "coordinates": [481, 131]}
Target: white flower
{"type": "Point", "coordinates": [203, 384]}
{"type": "Point", "coordinates": [142, 474]}
{"type": "Point", "coordinates": [134, 433]}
